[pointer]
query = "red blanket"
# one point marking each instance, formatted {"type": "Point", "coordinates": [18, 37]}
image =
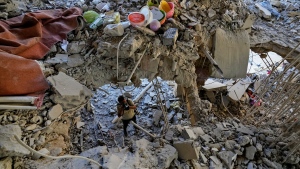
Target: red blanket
{"type": "Point", "coordinates": [28, 37]}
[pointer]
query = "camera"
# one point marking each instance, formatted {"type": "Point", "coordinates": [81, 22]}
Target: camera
{"type": "Point", "coordinates": [126, 107]}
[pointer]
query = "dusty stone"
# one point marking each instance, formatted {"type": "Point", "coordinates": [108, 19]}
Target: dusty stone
{"type": "Point", "coordinates": [202, 156]}
{"type": "Point", "coordinates": [259, 147]}
{"type": "Point", "coordinates": [75, 47]}
{"type": "Point", "coordinates": [250, 165]}
{"type": "Point", "coordinates": [250, 152]}
{"type": "Point", "coordinates": [55, 112]}
{"type": "Point", "coordinates": [269, 163]}
{"type": "Point", "coordinates": [56, 151]}
{"type": "Point", "coordinates": [211, 13]}
{"type": "Point", "coordinates": [169, 135]}
{"type": "Point", "coordinates": [215, 163]}
{"type": "Point", "coordinates": [156, 116]}
{"type": "Point", "coordinates": [79, 124]}
{"type": "Point", "coordinates": [170, 36]}
{"type": "Point", "coordinates": [43, 151]}
{"type": "Point", "coordinates": [47, 123]}
{"type": "Point", "coordinates": [198, 131]}
{"type": "Point", "coordinates": [243, 140]}
{"type": "Point", "coordinates": [186, 150]}
{"type": "Point", "coordinates": [59, 58]}
{"type": "Point", "coordinates": [31, 127]}
{"type": "Point", "coordinates": [75, 60]}
{"type": "Point", "coordinates": [228, 158]}
{"type": "Point", "coordinates": [207, 138]}
{"type": "Point", "coordinates": [245, 130]}
{"type": "Point", "coordinates": [188, 134]}
{"type": "Point", "coordinates": [111, 161]}
{"type": "Point", "coordinates": [8, 144]}
{"type": "Point", "coordinates": [166, 155]}
{"type": "Point", "coordinates": [229, 144]}
{"type": "Point", "coordinates": [6, 163]}
{"type": "Point", "coordinates": [37, 119]}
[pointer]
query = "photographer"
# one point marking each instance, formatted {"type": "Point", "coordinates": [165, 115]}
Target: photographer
{"type": "Point", "coordinates": [126, 110]}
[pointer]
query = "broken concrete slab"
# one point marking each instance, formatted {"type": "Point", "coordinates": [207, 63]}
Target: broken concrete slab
{"type": "Point", "coordinates": [228, 158]}
{"type": "Point", "coordinates": [186, 150]}
{"type": "Point", "coordinates": [70, 93]}
{"type": "Point", "coordinates": [55, 111]}
{"type": "Point", "coordinates": [6, 163]}
{"type": "Point", "coordinates": [212, 85]}
{"type": "Point", "coordinates": [207, 138]}
{"type": "Point", "coordinates": [243, 140]}
{"type": "Point", "coordinates": [59, 58]}
{"type": "Point", "coordinates": [245, 130]}
{"type": "Point", "coordinates": [198, 131]}
{"type": "Point", "coordinates": [215, 163]}
{"type": "Point", "coordinates": [166, 155]}
{"type": "Point", "coordinates": [8, 144]}
{"type": "Point", "coordinates": [188, 134]}
{"type": "Point", "coordinates": [75, 47]}
{"type": "Point", "coordinates": [75, 60]}
{"type": "Point", "coordinates": [231, 52]}
{"type": "Point", "coordinates": [250, 152]}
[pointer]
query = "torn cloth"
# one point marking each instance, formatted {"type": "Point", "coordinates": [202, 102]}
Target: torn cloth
{"type": "Point", "coordinates": [28, 37]}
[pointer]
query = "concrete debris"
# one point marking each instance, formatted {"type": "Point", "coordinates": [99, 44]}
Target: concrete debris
{"type": "Point", "coordinates": [188, 134]}
{"type": "Point", "coordinates": [186, 150]}
{"type": "Point", "coordinates": [240, 43]}
{"type": "Point", "coordinates": [227, 30]}
{"type": "Point", "coordinates": [228, 158]}
{"type": "Point", "coordinates": [170, 36]}
{"type": "Point", "coordinates": [55, 112]}
{"type": "Point", "coordinates": [250, 152]}
{"type": "Point", "coordinates": [6, 163]}
{"type": "Point", "coordinates": [265, 13]}
{"type": "Point", "coordinates": [9, 145]}
{"type": "Point", "coordinates": [75, 60]}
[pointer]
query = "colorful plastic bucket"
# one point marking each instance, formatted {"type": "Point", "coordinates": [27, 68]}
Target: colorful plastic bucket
{"type": "Point", "coordinates": [136, 18]}
{"type": "Point", "coordinates": [171, 12]}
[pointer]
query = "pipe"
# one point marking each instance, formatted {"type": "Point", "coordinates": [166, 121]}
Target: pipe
{"type": "Point", "coordinates": [17, 107]}
{"type": "Point", "coordinates": [16, 99]}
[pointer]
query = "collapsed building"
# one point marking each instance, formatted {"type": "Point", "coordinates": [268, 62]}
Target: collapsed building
{"type": "Point", "coordinates": [204, 39]}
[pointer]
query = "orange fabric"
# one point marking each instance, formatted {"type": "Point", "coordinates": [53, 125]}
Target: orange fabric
{"type": "Point", "coordinates": [28, 37]}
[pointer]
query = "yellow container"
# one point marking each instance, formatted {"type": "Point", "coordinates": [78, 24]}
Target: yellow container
{"type": "Point", "coordinates": [165, 6]}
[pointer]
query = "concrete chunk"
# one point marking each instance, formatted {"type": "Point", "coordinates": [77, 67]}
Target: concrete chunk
{"type": "Point", "coordinates": [65, 85]}
{"type": "Point", "coordinates": [75, 60]}
{"type": "Point", "coordinates": [245, 130]}
{"type": "Point", "coordinates": [186, 150]}
{"type": "Point", "coordinates": [250, 152]}
{"type": "Point", "coordinates": [8, 144]}
{"type": "Point", "coordinates": [55, 112]}
{"type": "Point", "coordinates": [228, 158]}
{"type": "Point", "coordinates": [188, 134]}
{"type": "Point", "coordinates": [6, 163]}
{"type": "Point", "coordinates": [59, 58]}
{"type": "Point", "coordinates": [170, 36]}
{"type": "Point", "coordinates": [198, 131]}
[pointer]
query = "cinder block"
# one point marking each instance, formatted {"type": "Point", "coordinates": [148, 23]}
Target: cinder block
{"type": "Point", "coordinates": [186, 150]}
{"type": "Point", "coordinates": [170, 36]}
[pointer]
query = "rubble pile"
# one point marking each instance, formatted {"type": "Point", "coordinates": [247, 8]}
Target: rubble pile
{"type": "Point", "coordinates": [76, 116]}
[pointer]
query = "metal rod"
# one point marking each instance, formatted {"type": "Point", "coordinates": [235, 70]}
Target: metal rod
{"type": "Point", "coordinates": [139, 127]}
{"type": "Point", "coordinates": [136, 65]}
